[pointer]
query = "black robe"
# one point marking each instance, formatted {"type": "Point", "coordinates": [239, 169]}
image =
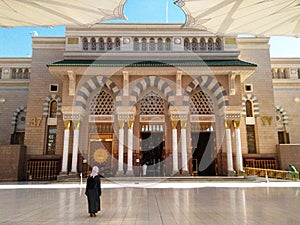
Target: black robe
{"type": "Point", "coordinates": [93, 193]}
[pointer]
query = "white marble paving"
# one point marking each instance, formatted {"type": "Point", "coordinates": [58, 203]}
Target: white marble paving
{"type": "Point", "coordinates": [153, 204]}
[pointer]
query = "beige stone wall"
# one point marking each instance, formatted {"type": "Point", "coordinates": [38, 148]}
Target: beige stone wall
{"type": "Point", "coordinates": [256, 50]}
{"type": "Point", "coordinates": [45, 51]}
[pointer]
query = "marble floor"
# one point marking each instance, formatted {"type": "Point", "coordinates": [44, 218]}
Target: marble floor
{"type": "Point", "coordinates": [150, 204]}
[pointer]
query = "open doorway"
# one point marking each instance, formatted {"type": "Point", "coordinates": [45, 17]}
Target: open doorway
{"type": "Point", "coordinates": [204, 157]}
{"type": "Point", "coordinates": [152, 152]}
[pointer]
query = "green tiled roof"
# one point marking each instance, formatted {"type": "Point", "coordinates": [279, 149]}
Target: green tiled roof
{"type": "Point", "coordinates": [163, 63]}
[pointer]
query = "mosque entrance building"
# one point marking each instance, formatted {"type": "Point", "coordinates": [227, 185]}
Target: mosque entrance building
{"type": "Point", "coordinates": [181, 101]}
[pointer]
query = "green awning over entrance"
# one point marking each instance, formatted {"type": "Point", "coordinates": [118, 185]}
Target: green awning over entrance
{"type": "Point", "coordinates": [164, 63]}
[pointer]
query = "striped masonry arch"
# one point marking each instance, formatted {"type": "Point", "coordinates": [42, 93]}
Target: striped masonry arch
{"type": "Point", "coordinates": [48, 99]}
{"type": "Point", "coordinates": [285, 118]}
{"type": "Point", "coordinates": [212, 85]}
{"type": "Point", "coordinates": [152, 81]}
{"type": "Point", "coordinates": [16, 113]}
{"type": "Point", "coordinates": [255, 105]}
{"type": "Point", "coordinates": [91, 85]}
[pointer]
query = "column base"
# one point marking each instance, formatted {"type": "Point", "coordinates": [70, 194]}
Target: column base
{"type": "Point", "coordinates": [241, 173]}
{"type": "Point", "coordinates": [129, 173]}
{"type": "Point", "coordinates": [62, 176]}
{"type": "Point", "coordinates": [231, 173]}
{"type": "Point", "coordinates": [120, 174]}
{"type": "Point", "coordinates": [184, 173]}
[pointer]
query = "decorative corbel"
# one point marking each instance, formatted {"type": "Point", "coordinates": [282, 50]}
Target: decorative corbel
{"type": "Point", "coordinates": [231, 80]}
{"type": "Point", "coordinates": [72, 82]}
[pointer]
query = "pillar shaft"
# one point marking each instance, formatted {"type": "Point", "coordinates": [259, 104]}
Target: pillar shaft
{"type": "Point", "coordinates": [75, 146]}
{"type": "Point", "coordinates": [184, 150]}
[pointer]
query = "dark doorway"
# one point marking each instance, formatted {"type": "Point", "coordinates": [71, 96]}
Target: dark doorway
{"type": "Point", "coordinates": [152, 152]}
{"type": "Point", "coordinates": [203, 144]}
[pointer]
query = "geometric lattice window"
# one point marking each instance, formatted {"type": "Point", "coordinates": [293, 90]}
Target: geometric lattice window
{"type": "Point", "coordinates": [200, 103]}
{"type": "Point", "coordinates": [152, 104]}
{"type": "Point", "coordinates": [102, 104]}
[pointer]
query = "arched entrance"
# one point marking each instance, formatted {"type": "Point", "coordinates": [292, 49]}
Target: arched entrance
{"type": "Point", "coordinates": [101, 132]}
{"type": "Point", "coordinates": [202, 133]}
{"type": "Point", "coordinates": [152, 108]}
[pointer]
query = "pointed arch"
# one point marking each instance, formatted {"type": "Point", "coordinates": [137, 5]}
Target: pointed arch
{"type": "Point", "coordinates": [48, 99]}
{"type": "Point", "coordinates": [16, 113]}
{"type": "Point", "coordinates": [285, 118]}
{"type": "Point", "coordinates": [152, 81]}
{"type": "Point", "coordinates": [91, 85]}
{"type": "Point", "coordinates": [212, 85]}
{"type": "Point", "coordinates": [255, 105]}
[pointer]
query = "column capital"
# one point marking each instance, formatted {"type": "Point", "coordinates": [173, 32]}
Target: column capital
{"type": "Point", "coordinates": [130, 124]}
{"type": "Point", "coordinates": [121, 124]}
{"type": "Point", "coordinates": [174, 124]}
{"type": "Point", "coordinates": [183, 124]}
{"type": "Point", "coordinates": [228, 124]}
{"type": "Point", "coordinates": [236, 124]}
{"type": "Point", "coordinates": [67, 124]}
{"type": "Point", "coordinates": [76, 124]}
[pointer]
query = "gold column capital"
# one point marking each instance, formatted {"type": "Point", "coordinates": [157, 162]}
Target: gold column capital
{"type": "Point", "coordinates": [67, 124]}
{"type": "Point", "coordinates": [174, 124]}
{"type": "Point", "coordinates": [228, 124]}
{"type": "Point", "coordinates": [121, 124]}
{"type": "Point", "coordinates": [76, 124]}
{"type": "Point", "coordinates": [236, 124]}
{"type": "Point", "coordinates": [130, 124]}
{"type": "Point", "coordinates": [183, 124]}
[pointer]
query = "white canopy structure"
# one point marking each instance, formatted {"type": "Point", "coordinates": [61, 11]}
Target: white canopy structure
{"type": "Point", "coordinates": [17, 13]}
{"type": "Point", "coordinates": [255, 17]}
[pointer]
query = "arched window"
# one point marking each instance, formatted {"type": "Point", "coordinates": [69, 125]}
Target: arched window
{"type": "Point", "coordinates": [117, 44]}
{"type": "Point", "coordinates": [19, 130]}
{"type": "Point", "coordinates": [53, 109]}
{"type": "Point", "coordinates": [218, 44]}
{"type": "Point", "coordinates": [194, 44]}
{"type": "Point", "coordinates": [136, 44]}
{"type": "Point", "coordinates": [101, 44]}
{"type": "Point", "coordinates": [19, 74]}
{"type": "Point", "coordinates": [160, 44]}
{"type": "Point", "coordinates": [144, 44]}
{"type": "Point", "coordinates": [26, 74]}
{"type": "Point", "coordinates": [249, 110]}
{"type": "Point", "coordinates": [202, 44]}
{"type": "Point", "coordinates": [210, 44]}
{"type": "Point", "coordinates": [109, 44]}
{"type": "Point", "coordinates": [0, 73]}
{"type": "Point", "coordinates": [168, 44]}
{"type": "Point", "coordinates": [186, 44]}
{"type": "Point", "coordinates": [93, 44]}
{"type": "Point", "coordinates": [152, 44]}
{"type": "Point", "coordinates": [14, 73]}
{"type": "Point", "coordinates": [85, 44]}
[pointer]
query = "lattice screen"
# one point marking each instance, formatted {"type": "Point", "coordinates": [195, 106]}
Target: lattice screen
{"type": "Point", "coordinates": [200, 103]}
{"type": "Point", "coordinates": [152, 104]}
{"type": "Point", "coordinates": [102, 104]}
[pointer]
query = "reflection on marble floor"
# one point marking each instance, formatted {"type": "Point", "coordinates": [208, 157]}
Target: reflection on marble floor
{"type": "Point", "coordinates": [149, 206]}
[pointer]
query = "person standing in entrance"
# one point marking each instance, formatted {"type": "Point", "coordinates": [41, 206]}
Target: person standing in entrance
{"type": "Point", "coordinates": [93, 192]}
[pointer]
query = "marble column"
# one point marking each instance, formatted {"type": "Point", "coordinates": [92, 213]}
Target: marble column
{"type": "Point", "coordinates": [130, 148]}
{"type": "Point", "coordinates": [76, 124]}
{"type": "Point", "coordinates": [238, 146]}
{"type": "Point", "coordinates": [230, 170]}
{"type": "Point", "coordinates": [64, 166]}
{"type": "Point", "coordinates": [175, 147]}
{"type": "Point", "coordinates": [121, 149]}
{"type": "Point", "coordinates": [184, 148]}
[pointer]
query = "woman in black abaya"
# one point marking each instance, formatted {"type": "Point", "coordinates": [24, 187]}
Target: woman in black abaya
{"type": "Point", "coordinates": [93, 191]}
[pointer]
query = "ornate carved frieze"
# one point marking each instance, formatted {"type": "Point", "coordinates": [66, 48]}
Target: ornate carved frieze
{"type": "Point", "coordinates": [101, 118]}
{"type": "Point", "coordinates": [202, 118]}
